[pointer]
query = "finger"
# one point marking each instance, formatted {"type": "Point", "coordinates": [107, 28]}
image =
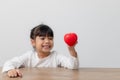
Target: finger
{"type": "Point", "coordinates": [12, 73]}
{"type": "Point", "coordinates": [19, 73]}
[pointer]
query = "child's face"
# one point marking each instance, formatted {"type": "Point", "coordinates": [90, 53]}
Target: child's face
{"type": "Point", "coordinates": [43, 44]}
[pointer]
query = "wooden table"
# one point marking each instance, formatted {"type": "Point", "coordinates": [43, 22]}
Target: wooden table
{"type": "Point", "coordinates": [66, 74]}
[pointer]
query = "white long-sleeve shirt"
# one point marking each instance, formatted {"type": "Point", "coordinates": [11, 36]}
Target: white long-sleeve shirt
{"type": "Point", "coordinates": [31, 59]}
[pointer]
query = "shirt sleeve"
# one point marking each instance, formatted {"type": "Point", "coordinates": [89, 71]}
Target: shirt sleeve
{"type": "Point", "coordinates": [15, 63]}
{"type": "Point", "coordinates": [68, 62]}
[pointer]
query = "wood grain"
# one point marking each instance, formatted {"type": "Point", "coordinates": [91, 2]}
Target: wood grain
{"type": "Point", "coordinates": [66, 74]}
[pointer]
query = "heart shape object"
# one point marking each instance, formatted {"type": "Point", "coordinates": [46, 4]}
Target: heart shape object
{"type": "Point", "coordinates": [70, 38]}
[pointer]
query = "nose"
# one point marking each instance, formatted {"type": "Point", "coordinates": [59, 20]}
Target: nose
{"type": "Point", "coordinates": [46, 40]}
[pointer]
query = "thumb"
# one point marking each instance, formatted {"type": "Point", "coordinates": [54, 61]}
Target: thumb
{"type": "Point", "coordinates": [19, 73]}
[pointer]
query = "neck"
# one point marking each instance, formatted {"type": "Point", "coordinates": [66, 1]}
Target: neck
{"type": "Point", "coordinates": [43, 55]}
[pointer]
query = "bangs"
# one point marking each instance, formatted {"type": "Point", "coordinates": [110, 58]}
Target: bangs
{"type": "Point", "coordinates": [48, 33]}
{"type": "Point", "coordinates": [41, 30]}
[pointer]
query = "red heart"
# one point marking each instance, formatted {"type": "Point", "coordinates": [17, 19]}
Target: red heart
{"type": "Point", "coordinates": [70, 38]}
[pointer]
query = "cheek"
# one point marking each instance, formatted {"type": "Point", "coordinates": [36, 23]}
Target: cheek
{"type": "Point", "coordinates": [52, 43]}
{"type": "Point", "coordinates": [35, 43]}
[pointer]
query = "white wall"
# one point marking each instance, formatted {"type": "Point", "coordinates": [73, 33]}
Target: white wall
{"type": "Point", "coordinates": [97, 23]}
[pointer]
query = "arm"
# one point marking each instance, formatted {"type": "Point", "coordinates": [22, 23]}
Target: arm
{"type": "Point", "coordinates": [11, 67]}
{"type": "Point", "coordinates": [68, 62]}
{"type": "Point", "coordinates": [71, 62]}
{"type": "Point", "coordinates": [14, 63]}
{"type": "Point", "coordinates": [72, 50]}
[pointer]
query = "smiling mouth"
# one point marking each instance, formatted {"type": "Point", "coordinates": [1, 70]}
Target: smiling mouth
{"type": "Point", "coordinates": [46, 46]}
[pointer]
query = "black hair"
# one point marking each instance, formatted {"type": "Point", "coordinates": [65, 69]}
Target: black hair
{"type": "Point", "coordinates": [41, 30]}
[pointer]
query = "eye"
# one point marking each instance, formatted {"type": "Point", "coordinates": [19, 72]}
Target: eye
{"type": "Point", "coordinates": [42, 38]}
{"type": "Point", "coordinates": [50, 38]}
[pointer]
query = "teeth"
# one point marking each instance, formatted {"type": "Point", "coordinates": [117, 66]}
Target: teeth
{"type": "Point", "coordinates": [46, 46]}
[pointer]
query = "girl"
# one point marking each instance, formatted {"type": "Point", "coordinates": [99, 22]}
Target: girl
{"type": "Point", "coordinates": [42, 41]}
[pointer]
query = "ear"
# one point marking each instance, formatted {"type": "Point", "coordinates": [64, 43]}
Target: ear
{"type": "Point", "coordinates": [33, 42]}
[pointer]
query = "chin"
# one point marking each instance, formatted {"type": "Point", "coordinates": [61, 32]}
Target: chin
{"type": "Point", "coordinates": [46, 51]}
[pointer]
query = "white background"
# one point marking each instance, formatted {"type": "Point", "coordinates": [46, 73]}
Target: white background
{"type": "Point", "coordinates": [96, 22]}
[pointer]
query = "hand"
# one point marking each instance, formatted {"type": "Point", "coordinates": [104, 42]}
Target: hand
{"type": "Point", "coordinates": [13, 73]}
{"type": "Point", "coordinates": [70, 47]}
